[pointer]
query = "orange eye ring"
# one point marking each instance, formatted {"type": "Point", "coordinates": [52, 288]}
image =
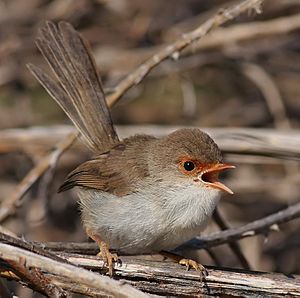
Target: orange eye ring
{"type": "Point", "coordinates": [189, 165]}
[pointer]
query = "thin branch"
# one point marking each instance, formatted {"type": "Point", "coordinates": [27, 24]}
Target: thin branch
{"type": "Point", "coordinates": [220, 38]}
{"type": "Point", "coordinates": [163, 278]}
{"type": "Point", "coordinates": [235, 248]}
{"type": "Point", "coordinates": [261, 226]}
{"type": "Point", "coordinates": [76, 274]}
{"type": "Point", "coordinates": [36, 279]}
{"type": "Point", "coordinates": [173, 50]}
{"type": "Point", "coordinates": [270, 92]}
{"type": "Point", "coordinates": [11, 203]}
{"type": "Point", "coordinates": [223, 37]}
{"type": "Point", "coordinates": [30, 246]}
{"type": "Point", "coordinates": [284, 144]}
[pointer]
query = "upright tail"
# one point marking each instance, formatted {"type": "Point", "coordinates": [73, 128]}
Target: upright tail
{"type": "Point", "coordinates": [78, 89]}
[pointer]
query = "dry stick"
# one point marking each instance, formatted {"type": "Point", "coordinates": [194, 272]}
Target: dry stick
{"type": "Point", "coordinates": [221, 37]}
{"type": "Point", "coordinates": [10, 204]}
{"type": "Point", "coordinates": [270, 92]}
{"type": "Point", "coordinates": [261, 226]}
{"type": "Point", "coordinates": [274, 100]}
{"type": "Point", "coordinates": [36, 279]}
{"type": "Point", "coordinates": [243, 32]}
{"type": "Point", "coordinates": [173, 50]}
{"type": "Point", "coordinates": [168, 278]}
{"type": "Point", "coordinates": [263, 143]}
{"type": "Point", "coordinates": [76, 274]}
{"type": "Point", "coordinates": [234, 246]}
{"type": "Point", "coordinates": [33, 247]}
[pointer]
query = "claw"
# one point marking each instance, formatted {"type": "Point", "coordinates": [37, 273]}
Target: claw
{"type": "Point", "coordinates": [195, 265]}
{"type": "Point", "coordinates": [108, 258]}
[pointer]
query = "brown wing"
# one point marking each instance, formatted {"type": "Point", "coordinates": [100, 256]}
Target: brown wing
{"type": "Point", "coordinates": [117, 171]}
{"type": "Point", "coordinates": [79, 89]}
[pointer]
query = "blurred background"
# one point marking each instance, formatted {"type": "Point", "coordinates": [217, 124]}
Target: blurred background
{"type": "Point", "coordinates": [247, 75]}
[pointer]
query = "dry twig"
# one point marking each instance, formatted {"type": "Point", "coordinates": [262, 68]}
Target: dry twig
{"type": "Point", "coordinates": [173, 50]}
{"type": "Point", "coordinates": [284, 144]}
{"type": "Point", "coordinates": [162, 278]}
{"type": "Point", "coordinates": [261, 226]}
{"type": "Point", "coordinates": [10, 204]}
{"type": "Point", "coordinates": [270, 92]}
{"type": "Point", "coordinates": [234, 246]}
{"type": "Point", "coordinates": [36, 279]}
{"type": "Point", "coordinates": [79, 275]}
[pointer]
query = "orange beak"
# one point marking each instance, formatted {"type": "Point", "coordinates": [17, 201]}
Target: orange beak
{"type": "Point", "coordinates": [211, 175]}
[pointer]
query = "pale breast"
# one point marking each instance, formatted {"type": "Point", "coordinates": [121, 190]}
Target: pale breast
{"type": "Point", "coordinates": [138, 223]}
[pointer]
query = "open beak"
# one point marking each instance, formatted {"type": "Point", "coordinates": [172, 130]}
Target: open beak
{"type": "Point", "coordinates": [211, 175]}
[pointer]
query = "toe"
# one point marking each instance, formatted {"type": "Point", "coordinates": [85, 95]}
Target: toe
{"type": "Point", "coordinates": [195, 265]}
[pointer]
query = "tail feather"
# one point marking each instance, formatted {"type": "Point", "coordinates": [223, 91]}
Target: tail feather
{"type": "Point", "coordinates": [79, 89]}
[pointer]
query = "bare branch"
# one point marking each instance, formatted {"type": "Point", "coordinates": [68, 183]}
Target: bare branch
{"type": "Point", "coordinates": [10, 204]}
{"type": "Point", "coordinates": [162, 278]}
{"type": "Point", "coordinates": [173, 50]}
{"type": "Point", "coordinates": [246, 141]}
{"type": "Point", "coordinates": [76, 274]}
{"type": "Point", "coordinates": [261, 226]}
{"type": "Point", "coordinates": [270, 92]}
{"type": "Point", "coordinates": [36, 279]}
{"type": "Point", "coordinates": [235, 248]}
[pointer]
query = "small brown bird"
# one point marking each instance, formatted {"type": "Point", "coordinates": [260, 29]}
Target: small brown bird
{"type": "Point", "coordinates": [138, 195]}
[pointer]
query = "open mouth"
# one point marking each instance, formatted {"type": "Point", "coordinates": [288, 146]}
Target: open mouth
{"type": "Point", "coordinates": [211, 176]}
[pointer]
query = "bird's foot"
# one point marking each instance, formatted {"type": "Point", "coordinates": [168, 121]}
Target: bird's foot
{"type": "Point", "coordinates": [187, 262]}
{"type": "Point", "coordinates": [108, 258]}
{"type": "Point", "coordinates": [195, 265]}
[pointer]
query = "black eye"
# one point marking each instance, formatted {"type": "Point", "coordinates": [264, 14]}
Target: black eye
{"type": "Point", "coordinates": [189, 165]}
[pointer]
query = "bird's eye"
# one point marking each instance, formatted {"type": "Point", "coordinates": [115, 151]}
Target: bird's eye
{"type": "Point", "coordinates": [189, 166]}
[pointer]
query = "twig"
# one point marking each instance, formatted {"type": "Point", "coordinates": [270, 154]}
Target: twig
{"type": "Point", "coordinates": [261, 226]}
{"type": "Point", "coordinates": [173, 50]}
{"type": "Point", "coordinates": [164, 278]}
{"type": "Point", "coordinates": [233, 245]}
{"type": "Point", "coordinates": [244, 32]}
{"type": "Point", "coordinates": [270, 92]}
{"type": "Point", "coordinates": [214, 257]}
{"type": "Point", "coordinates": [36, 279]}
{"type": "Point", "coordinates": [220, 38]}
{"type": "Point", "coordinates": [33, 247]}
{"type": "Point", "coordinates": [274, 101]}
{"type": "Point", "coordinates": [78, 275]}
{"type": "Point", "coordinates": [10, 204]}
{"type": "Point", "coordinates": [283, 144]}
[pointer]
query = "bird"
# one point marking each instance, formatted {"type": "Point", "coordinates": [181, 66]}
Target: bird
{"type": "Point", "coordinates": [139, 195]}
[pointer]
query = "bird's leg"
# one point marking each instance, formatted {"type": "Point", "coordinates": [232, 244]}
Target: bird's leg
{"type": "Point", "coordinates": [108, 257]}
{"type": "Point", "coordinates": [186, 262]}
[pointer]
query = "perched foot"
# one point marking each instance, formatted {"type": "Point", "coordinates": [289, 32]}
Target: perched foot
{"type": "Point", "coordinates": [193, 264]}
{"type": "Point", "coordinates": [108, 258]}
{"type": "Point", "coordinates": [187, 262]}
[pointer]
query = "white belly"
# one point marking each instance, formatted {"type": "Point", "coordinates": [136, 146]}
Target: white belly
{"type": "Point", "coordinates": [137, 223]}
